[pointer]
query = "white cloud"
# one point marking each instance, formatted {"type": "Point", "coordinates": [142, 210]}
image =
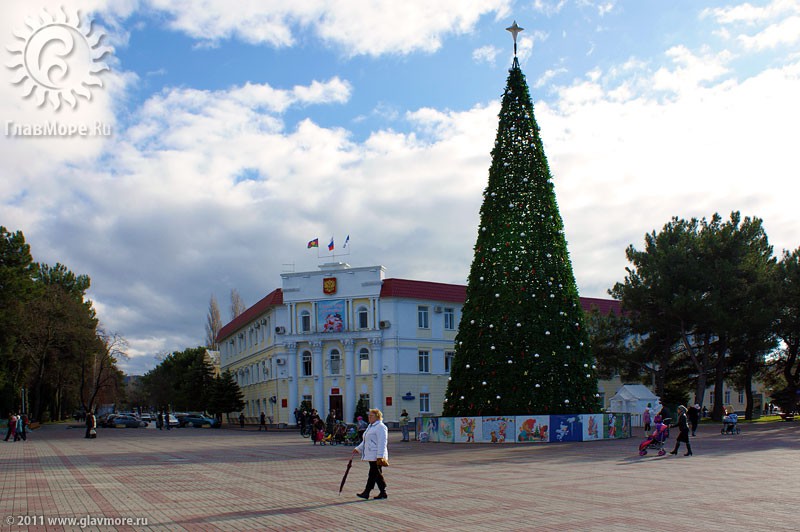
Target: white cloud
{"type": "Point", "coordinates": [786, 32]}
{"type": "Point", "coordinates": [365, 28]}
{"type": "Point", "coordinates": [486, 54]}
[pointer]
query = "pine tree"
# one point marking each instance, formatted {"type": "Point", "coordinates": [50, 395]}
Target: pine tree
{"type": "Point", "coordinates": [521, 347]}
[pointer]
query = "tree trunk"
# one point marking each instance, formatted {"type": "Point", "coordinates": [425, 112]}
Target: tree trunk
{"type": "Point", "coordinates": [719, 381]}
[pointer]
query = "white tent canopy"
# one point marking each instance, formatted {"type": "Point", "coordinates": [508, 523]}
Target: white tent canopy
{"type": "Point", "coordinates": [633, 398]}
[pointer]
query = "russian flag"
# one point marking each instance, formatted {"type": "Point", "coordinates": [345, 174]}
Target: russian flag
{"type": "Point", "coordinates": [330, 246]}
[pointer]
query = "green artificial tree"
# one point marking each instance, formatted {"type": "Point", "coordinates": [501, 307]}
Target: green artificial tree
{"type": "Point", "coordinates": [521, 346]}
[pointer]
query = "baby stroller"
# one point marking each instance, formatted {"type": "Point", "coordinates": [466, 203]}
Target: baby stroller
{"type": "Point", "coordinates": [730, 424]}
{"type": "Point", "coordinates": [658, 439]}
{"type": "Point", "coordinates": [351, 435]}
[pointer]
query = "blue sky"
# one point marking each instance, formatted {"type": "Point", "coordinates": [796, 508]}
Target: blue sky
{"type": "Point", "coordinates": [240, 131]}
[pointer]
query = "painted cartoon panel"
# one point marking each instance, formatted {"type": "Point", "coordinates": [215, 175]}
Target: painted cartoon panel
{"type": "Point", "coordinates": [616, 426]}
{"type": "Point", "coordinates": [498, 429]}
{"type": "Point", "coordinates": [430, 427]}
{"type": "Point", "coordinates": [533, 428]}
{"type": "Point", "coordinates": [468, 429]}
{"type": "Point", "coordinates": [446, 429]}
{"type": "Point", "coordinates": [592, 427]}
{"type": "Point", "coordinates": [566, 428]}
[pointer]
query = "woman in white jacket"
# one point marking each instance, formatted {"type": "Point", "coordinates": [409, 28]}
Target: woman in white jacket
{"type": "Point", "coordinates": [372, 448]}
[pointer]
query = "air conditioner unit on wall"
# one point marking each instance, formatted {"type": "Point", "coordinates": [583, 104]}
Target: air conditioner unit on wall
{"type": "Point", "coordinates": [437, 310]}
{"type": "Point", "coordinates": [385, 324]}
{"type": "Point", "coordinates": [280, 330]}
{"type": "Point", "coordinates": [280, 361]}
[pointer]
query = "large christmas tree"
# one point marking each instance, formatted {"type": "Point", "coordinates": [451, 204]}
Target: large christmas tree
{"type": "Point", "coordinates": [521, 346]}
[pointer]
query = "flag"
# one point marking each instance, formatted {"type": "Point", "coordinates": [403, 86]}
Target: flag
{"type": "Point", "coordinates": [313, 243]}
{"type": "Point", "coordinates": [330, 246]}
{"type": "Point", "coordinates": [346, 241]}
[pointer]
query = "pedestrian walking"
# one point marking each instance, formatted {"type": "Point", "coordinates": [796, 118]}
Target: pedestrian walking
{"type": "Point", "coordinates": [241, 420]}
{"type": "Point", "coordinates": [166, 418]}
{"type": "Point", "coordinates": [646, 419]}
{"type": "Point", "coordinates": [12, 427]}
{"type": "Point", "coordinates": [694, 417]}
{"type": "Point", "coordinates": [160, 421]}
{"type": "Point", "coordinates": [374, 449]}
{"type": "Point", "coordinates": [22, 427]}
{"type": "Point", "coordinates": [91, 425]}
{"type": "Point", "coordinates": [263, 424]}
{"type": "Point", "coordinates": [683, 436]}
{"type": "Point", "coordinates": [404, 424]}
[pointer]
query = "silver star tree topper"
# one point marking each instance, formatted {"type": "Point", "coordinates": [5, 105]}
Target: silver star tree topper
{"type": "Point", "coordinates": [514, 29]}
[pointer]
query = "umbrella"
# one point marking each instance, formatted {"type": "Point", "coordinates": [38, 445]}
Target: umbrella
{"type": "Point", "coordinates": [346, 471]}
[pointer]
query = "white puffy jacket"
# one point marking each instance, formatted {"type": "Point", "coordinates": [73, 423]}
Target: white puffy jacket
{"type": "Point", "coordinates": [374, 445]}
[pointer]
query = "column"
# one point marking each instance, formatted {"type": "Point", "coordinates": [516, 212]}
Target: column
{"type": "Point", "coordinates": [377, 387]}
{"type": "Point", "coordinates": [291, 363]}
{"type": "Point", "coordinates": [350, 365]}
{"type": "Point", "coordinates": [319, 377]}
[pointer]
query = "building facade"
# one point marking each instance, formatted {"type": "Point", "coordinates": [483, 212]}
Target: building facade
{"type": "Point", "coordinates": [341, 334]}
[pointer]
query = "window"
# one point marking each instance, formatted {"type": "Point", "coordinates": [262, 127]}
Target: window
{"type": "Point", "coordinates": [424, 362]}
{"type": "Point", "coordinates": [422, 317]}
{"type": "Point", "coordinates": [306, 363]}
{"type": "Point", "coordinates": [363, 318]}
{"type": "Point", "coordinates": [449, 319]}
{"type": "Point", "coordinates": [711, 398]}
{"type": "Point", "coordinates": [336, 360]}
{"type": "Point", "coordinates": [424, 402]}
{"type": "Point", "coordinates": [365, 397]}
{"type": "Point", "coordinates": [448, 361]}
{"type": "Point", "coordinates": [363, 360]}
{"type": "Point", "coordinates": [305, 321]}
{"type": "Point", "coordinates": [727, 397]}
{"type": "Point", "coordinates": [741, 396]}
{"type": "Point", "coordinates": [307, 399]}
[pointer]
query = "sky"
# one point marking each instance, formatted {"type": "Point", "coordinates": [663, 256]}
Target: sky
{"type": "Point", "coordinates": [196, 147]}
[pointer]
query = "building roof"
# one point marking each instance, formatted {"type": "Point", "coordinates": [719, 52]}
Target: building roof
{"type": "Point", "coordinates": [635, 392]}
{"type": "Point", "coordinates": [457, 293]}
{"type": "Point", "coordinates": [407, 288]}
{"type": "Point", "coordinates": [454, 293]}
{"type": "Point", "coordinates": [605, 306]}
{"type": "Point", "coordinates": [273, 299]}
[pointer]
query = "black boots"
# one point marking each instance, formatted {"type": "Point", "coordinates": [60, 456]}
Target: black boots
{"type": "Point", "coordinates": [381, 495]}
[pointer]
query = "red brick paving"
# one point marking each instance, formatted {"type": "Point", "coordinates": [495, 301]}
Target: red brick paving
{"type": "Point", "coordinates": [203, 479]}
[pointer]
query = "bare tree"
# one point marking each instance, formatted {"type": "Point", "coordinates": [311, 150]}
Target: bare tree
{"type": "Point", "coordinates": [213, 324]}
{"type": "Point", "coordinates": [237, 304]}
{"type": "Point", "coordinates": [100, 376]}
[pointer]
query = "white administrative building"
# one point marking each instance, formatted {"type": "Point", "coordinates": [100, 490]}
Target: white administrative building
{"type": "Point", "coordinates": [343, 333]}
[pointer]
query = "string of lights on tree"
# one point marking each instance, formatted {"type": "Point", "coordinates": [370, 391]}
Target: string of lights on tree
{"type": "Point", "coordinates": [521, 347]}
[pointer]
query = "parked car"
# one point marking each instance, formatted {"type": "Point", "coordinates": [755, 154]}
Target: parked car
{"type": "Point", "coordinates": [173, 421]}
{"type": "Point", "coordinates": [124, 421]}
{"type": "Point", "coordinates": [147, 416]}
{"type": "Point", "coordinates": [199, 420]}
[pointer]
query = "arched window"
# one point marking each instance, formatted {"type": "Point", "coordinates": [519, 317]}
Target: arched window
{"type": "Point", "coordinates": [363, 318]}
{"type": "Point", "coordinates": [336, 361]}
{"type": "Point", "coordinates": [306, 363]}
{"type": "Point", "coordinates": [363, 360]}
{"type": "Point", "coordinates": [305, 321]}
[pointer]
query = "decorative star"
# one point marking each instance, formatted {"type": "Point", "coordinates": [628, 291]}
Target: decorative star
{"type": "Point", "coordinates": [514, 29]}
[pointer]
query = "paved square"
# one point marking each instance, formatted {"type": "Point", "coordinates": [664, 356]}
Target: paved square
{"type": "Point", "coordinates": [230, 479]}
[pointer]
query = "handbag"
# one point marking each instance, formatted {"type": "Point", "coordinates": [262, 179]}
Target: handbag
{"type": "Point", "coordinates": [92, 432]}
{"type": "Point", "coordinates": [383, 462]}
